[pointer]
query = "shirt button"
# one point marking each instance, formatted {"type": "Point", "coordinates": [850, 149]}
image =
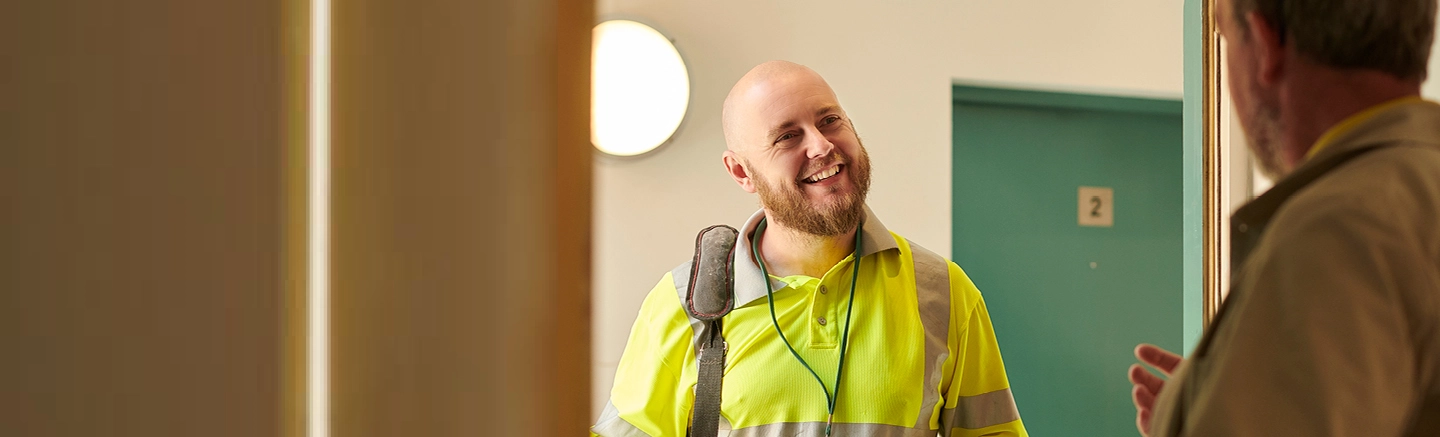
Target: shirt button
{"type": "Point", "coordinates": [821, 320]}
{"type": "Point", "coordinates": [1244, 228]}
{"type": "Point", "coordinates": [823, 290]}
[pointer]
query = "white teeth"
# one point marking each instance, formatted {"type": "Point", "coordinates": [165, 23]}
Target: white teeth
{"type": "Point", "coordinates": [824, 175]}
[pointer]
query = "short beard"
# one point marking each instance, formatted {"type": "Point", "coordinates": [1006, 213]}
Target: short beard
{"type": "Point", "coordinates": [1263, 136]}
{"type": "Point", "coordinates": [788, 206]}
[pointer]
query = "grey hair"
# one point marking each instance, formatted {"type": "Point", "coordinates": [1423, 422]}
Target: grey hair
{"type": "Point", "coordinates": [1392, 36]}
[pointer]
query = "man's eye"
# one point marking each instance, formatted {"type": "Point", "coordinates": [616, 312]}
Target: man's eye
{"type": "Point", "coordinates": [830, 120]}
{"type": "Point", "coordinates": [785, 137]}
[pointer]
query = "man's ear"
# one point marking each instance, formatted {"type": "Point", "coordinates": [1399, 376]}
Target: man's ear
{"type": "Point", "coordinates": [1270, 55]}
{"type": "Point", "coordinates": [737, 171]}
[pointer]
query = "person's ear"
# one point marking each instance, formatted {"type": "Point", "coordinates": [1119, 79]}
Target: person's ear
{"type": "Point", "coordinates": [1270, 54]}
{"type": "Point", "coordinates": [736, 168]}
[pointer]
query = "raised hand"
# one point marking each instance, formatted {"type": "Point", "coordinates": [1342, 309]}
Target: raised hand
{"type": "Point", "coordinates": [1147, 385]}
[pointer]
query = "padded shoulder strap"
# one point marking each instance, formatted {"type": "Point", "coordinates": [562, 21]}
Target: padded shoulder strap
{"type": "Point", "coordinates": [709, 294]}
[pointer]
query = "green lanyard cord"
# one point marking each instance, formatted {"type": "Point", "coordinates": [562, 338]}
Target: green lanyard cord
{"type": "Point", "coordinates": [844, 338]}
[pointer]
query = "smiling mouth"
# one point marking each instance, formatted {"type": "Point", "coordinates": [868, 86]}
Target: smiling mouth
{"type": "Point", "coordinates": [824, 174]}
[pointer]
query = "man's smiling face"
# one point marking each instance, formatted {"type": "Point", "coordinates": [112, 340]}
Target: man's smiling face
{"type": "Point", "coordinates": [799, 150]}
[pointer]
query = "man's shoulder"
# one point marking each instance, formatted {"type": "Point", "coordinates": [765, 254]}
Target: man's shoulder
{"type": "Point", "coordinates": [664, 300]}
{"type": "Point", "coordinates": [940, 272]}
{"type": "Point", "coordinates": [1392, 189]}
{"type": "Point", "coordinates": [919, 253]}
{"type": "Point", "coordinates": [1406, 164]}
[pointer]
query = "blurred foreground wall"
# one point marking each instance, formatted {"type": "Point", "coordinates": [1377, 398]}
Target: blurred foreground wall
{"type": "Point", "coordinates": [153, 217]}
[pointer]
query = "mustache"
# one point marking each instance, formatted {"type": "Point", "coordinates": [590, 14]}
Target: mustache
{"type": "Point", "coordinates": [832, 159]}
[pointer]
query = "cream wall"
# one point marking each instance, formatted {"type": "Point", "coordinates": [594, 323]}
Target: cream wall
{"type": "Point", "coordinates": [1431, 88]}
{"type": "Point", "coordinates": [892, 64]}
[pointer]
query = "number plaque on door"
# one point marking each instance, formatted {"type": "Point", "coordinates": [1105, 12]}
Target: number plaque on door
{"type": "Point", "coordinates": [1097, 206]}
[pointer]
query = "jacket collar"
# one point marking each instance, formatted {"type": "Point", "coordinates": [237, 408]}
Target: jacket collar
{"type": "Point", "coordinates": [1411, 121]}
{"type": "Point", "coordinates": [749, 285]}
{"type": "Point", "coordinates": [1407, 123]}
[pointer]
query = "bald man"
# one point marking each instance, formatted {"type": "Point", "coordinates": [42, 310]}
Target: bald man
{"type": "Point", "coordinates": [840, 326]}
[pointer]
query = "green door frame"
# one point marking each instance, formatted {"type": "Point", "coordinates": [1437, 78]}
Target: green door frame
{"type": "Point", "coordinates": [1193, 172]}
{"type": "Point", "coordinates": [1192, 160]}
{"type": "Point", "coordinates": [1194, 110]}
{"type": "Point", "coordinates": [1064, 100]}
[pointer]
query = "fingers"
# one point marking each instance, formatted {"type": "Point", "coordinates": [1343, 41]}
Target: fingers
{"type": "Point", "coordinates": [1147, 385]}
{"type": "Point", "coordinates": [1143, 397]}
{"type": "Point", "coordinates": [1142, 422]}
{"type": "Point", "coordinates": [1144, 404]}
{"type": "Point", "coordinates": [1160, 359]}
{"type": "Point", "coordinates": [1142, 378]}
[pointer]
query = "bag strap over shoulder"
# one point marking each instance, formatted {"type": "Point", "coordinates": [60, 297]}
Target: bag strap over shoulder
{"type": "Point", "coordinates": [712, 274]}
{"type": "Point", "coordinates": [710, 295]}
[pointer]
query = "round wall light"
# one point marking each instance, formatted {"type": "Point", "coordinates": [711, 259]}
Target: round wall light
{"type": "Point", "coordinates": [640, 88]}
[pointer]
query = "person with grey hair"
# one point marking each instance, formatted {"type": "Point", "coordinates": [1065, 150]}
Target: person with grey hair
{"type": "Point", "coordinates": [1332, 324]}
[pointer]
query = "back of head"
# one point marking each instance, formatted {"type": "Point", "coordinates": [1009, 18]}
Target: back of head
{"type": "Point", "coordinates": [1392, 36]}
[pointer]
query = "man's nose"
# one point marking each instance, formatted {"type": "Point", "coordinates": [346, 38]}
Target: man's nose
{"type": "Point", "coordinates": [818, 146]}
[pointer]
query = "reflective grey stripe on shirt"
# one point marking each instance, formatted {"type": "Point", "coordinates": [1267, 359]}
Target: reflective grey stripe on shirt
{"type": "Point", "coordinates": [932, 293]}
{"type": "Point", "coordinates": [789, 429]}
{"type": "Point", "coordinates": [979, 411]}
{"type": "Point", "coordinates": [681, 277]}
{"type": "Point", "coordinates": [611, 425]}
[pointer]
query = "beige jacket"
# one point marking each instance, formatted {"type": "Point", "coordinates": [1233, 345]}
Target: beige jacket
{"type": "Point", "coordinates": [1332, 327]}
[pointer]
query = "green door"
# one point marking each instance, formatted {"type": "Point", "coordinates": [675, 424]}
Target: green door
{"type": "Point", "coordinates": [1070, 302]}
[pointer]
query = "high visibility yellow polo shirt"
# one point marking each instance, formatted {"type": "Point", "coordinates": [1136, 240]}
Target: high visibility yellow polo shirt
{"type": "Point", "coordinates": [922, 358]}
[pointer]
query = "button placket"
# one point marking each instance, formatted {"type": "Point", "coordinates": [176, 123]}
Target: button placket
{"type": "Point", "coordinates": [822, 315]}
{"type": "Point", "coordinates": [826, 315]}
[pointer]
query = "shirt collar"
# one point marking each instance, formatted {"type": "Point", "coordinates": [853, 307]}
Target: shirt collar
{"type": "Point", "coordinates": [1350, 123]}
{"type": "Point", "coordinates": [749, 285]}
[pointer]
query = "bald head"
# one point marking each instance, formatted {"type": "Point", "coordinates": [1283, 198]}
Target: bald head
{"type": "Point", "coordinates": [759, 90]}
{"type": "Point", "coordinates": [789, 141]}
